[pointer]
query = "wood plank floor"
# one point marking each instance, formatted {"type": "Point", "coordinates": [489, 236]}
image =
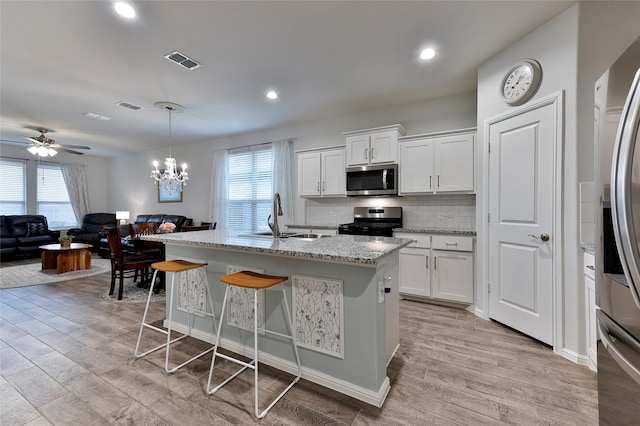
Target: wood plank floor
{"type": "Point", "coordinates": [66, 357]}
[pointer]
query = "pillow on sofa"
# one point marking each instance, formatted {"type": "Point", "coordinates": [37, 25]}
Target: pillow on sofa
{"type": "Point", "coordinates": [36, 229]}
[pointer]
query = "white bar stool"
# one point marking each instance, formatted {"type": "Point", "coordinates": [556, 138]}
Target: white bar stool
{"type": "Point", "coordinates": [175, 266]}
{"type": "Point", "coordinates": [255, 281]}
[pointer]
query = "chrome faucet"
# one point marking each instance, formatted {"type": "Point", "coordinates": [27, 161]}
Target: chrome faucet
{"type": "Point", "coordinates": [277, 211]}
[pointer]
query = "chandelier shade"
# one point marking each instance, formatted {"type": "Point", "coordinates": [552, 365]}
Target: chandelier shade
{"type": "Point", "coordinates": [171, 178]}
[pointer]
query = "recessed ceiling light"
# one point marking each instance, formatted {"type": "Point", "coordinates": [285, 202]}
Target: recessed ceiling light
{"type": "Point", "coordinates": [427, 54]}
{"type": "Point", "coordinates": [272, 94]}
{"type": "Point", "coordinates": [125, 10]}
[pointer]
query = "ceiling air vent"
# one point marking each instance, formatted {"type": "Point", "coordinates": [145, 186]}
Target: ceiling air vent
{"type": "Point", "coordinates": [182, 60]}
{"type": "Point", "coordinates": [128, 105]}
{"type": "Point", "coordinates": [96, 116]}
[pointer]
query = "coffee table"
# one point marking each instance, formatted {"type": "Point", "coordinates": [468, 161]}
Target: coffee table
{"type": "Point", "coordinates": [66, 259]}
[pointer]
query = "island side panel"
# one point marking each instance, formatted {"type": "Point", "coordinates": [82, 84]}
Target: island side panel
{"type": "Point", "coordinates": [364, 363]}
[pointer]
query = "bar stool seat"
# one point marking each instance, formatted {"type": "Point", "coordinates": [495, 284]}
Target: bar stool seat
{"type": "Point", "coordinates": [176, 266]}
{"type": "Point", "coordinates": [254, 281]}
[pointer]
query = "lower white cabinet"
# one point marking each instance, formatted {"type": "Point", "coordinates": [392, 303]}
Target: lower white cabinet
{"type": "Point", "coordinates": [590, 310]}
{"type": "Point", "coordinates": [437, 267]}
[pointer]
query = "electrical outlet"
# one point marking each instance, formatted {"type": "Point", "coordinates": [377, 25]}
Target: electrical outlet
{"type": "Point", "coordinates": [381, 291]}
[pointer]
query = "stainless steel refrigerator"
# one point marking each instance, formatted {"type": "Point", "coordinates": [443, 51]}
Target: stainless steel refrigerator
{"type": "Point", "coordinates": [618, 284]}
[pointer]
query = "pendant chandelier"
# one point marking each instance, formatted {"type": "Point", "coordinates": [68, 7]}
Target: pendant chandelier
{"type": "Point", "coordinates": [171, 178]}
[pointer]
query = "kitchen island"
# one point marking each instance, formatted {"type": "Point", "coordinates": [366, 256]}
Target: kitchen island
{"type": "Point", "coordinates": [345, 324]}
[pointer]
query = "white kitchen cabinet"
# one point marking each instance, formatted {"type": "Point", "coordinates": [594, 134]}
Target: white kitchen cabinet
{"type": "Point", "coordinates": [590, 310]}
{"type": "Point", "coordinates": [321, 173]}
{"type": "Point", "coordinates": [432, 164]}
{"type": "Point", "coordinates": [414, 272]}
{"type": "Point", "coordinates": [437, 267]}
{"type": "Point", "coordinates": [373, 146]}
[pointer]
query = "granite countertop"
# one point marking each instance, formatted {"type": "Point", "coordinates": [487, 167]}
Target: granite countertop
{"type": "Point", "coordinates": [354, 249]}
{"type": "Point", "coordinates": [435, 231]}
{"type": "Point", "coordinates": [410, 230]}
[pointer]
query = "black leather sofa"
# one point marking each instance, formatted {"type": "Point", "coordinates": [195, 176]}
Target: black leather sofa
{"type": "Point", "coordinates": [21, 235]}
{"type": "Point", "coordinates": [92, 230]}
{"type": "Point", "coordinates": [159, 219]}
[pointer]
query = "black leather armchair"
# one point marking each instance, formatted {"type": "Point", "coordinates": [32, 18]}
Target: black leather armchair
{"type": "Point", "coordinates": [92, 230]}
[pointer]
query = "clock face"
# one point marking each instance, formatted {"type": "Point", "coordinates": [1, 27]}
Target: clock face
{"type": "Point", "coordinates": [521, 82]}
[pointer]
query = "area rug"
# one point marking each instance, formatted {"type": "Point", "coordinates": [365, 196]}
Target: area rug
{"type": "Point", "coordinates": [32, 274]}
{"type": "Point", "coordinates": [132, 294]}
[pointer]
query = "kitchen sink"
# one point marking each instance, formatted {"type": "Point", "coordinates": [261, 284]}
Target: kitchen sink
{"type": "Point", "coordinates": [309, 236]}
{"type": "Point", "coordinates": [306, 237]}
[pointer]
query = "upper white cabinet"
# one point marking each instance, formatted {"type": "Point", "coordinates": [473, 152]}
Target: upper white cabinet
{"type": "Point", "coordinates": [321, 173]}
{"type": "Point", "coordinates": [373, 146]}
{"type": "Point", "coordinates": [431, 164]}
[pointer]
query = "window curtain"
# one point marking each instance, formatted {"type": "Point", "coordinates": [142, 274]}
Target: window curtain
{"type": "Point", "coordinates": [75, 178]}
{"type": "Point", "coordinates": [219, 189]}
{"type": "Point", "coordinates": [283, 179]}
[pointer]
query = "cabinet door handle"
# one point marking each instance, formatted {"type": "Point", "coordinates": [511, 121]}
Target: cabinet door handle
{"type": "Point", "coordinates": [427, 262]}
{"type": "Point", "coordinates": [366, 151]}
{"type": "Point", "coordinates": [323, 186]}
{"type": "Point", "coordinates": [372, 156]}
{"type": "Point", "coordinates": [318, 186]}
{"type": "Point", "coordinates": [593, 268]}
{"type": "Point", "coordinates": [430, 183]}
{"type": "Point", "coordinates": [438, 181]}
{"type": "Point", "coordinates": [435, 262]}
{"type": "Point", "coordinates": [449, 243]}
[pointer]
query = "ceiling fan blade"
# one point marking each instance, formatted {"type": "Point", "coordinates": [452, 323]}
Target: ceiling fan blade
{"type": "Point", "coordinates": [71, 151]}
{"type": "Point", "coordinates": [34, 140]}
{"type": "Point", "coordinates": [70, 146]}
{"type": "Point", "coordinates": [17, 143]}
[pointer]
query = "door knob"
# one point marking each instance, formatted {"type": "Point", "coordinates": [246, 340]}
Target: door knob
{"type": "Point", "coordinates": [543, 237]}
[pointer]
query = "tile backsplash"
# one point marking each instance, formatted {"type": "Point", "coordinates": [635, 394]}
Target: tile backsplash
{"type": "Point", "coordinates": [587, 213]}
{"type": "Point", "coordinates": [437, 212]}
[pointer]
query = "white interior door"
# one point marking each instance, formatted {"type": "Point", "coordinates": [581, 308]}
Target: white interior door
{"type": "Point", "coordinates": [521, 200]}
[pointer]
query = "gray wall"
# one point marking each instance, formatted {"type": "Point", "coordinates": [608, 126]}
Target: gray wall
{"type": "Point", "coordinates": [137, 193]}
{"type": "Point", "coordinates": [96, 168]}
{"type": "Point", "coordinates": [574, 49]}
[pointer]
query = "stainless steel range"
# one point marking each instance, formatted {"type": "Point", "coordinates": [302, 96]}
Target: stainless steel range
{"type": "Point", "coordinates": [373, 221]}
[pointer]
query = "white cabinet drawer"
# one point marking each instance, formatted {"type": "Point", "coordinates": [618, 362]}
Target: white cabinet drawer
{"type": "Point", "coordinates": [421, 240]}
{"type": "Point", "coordinates": [589, 266]}
{"type": "Point", "coordinates": [452, 242]}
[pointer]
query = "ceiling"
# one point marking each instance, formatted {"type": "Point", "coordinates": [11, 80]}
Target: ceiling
{"type": "Point", "coordinates": [60, 59]}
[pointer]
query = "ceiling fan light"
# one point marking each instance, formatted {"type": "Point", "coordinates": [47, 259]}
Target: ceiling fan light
{"type": "Point", "coordinates": [52, 151]}
{"type": "Point", "coordinates": [33, 150]}
{"type": "Point", "coordinates": [42, 151]}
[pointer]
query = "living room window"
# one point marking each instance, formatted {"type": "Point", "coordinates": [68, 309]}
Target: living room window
{"type": "Point", "coordinates": [13, 195]}
{"type": "Point", "coordinates": [250, 188]}
{"type": "Point", "coordinates": [52, 197]}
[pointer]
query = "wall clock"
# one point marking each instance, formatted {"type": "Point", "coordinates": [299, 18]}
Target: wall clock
{"type": "Point", "coordinates": [521, 82]}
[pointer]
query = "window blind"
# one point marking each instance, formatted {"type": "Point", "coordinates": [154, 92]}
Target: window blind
{"type": "Point", "coordinates": [250, 189]}
{"type": "Point", "coordinates": [53, 199]}
{"type": "Point", "coordinates": [12, 187]}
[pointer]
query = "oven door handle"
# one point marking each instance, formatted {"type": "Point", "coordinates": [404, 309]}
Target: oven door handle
{"type": "Point", "coordinates": [605, 336]}
{"type": "Point", "coordinates": [384, 179]}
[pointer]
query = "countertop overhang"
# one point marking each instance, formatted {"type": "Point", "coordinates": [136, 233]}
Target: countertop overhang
{"type": "Point", "coordinates": [353, 249]}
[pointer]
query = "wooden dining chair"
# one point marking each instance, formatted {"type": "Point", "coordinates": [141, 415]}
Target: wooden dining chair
{"type": "Point", "coordinates": [136, 229]}
{"type": "Point", "coordinates": [125, 265]}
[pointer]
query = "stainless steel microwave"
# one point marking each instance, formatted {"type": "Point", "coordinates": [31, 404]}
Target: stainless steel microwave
{"type": "Point", "coordinates": [372, 180]}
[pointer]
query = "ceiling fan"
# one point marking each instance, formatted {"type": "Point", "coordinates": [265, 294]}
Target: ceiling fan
{"type": "Point", "coordinates": [44, 146]}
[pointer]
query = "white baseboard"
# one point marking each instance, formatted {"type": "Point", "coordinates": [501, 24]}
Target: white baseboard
{"type": "Point", "coordinates": [574, 357]}
{"type": "Point", "coordinates": [320, 378]}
